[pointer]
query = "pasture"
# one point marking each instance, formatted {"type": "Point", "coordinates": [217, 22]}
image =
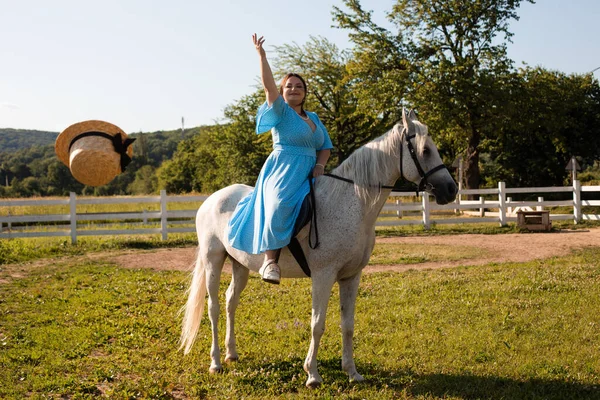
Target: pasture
{"type": "Point", "coordinates": [80, 327]}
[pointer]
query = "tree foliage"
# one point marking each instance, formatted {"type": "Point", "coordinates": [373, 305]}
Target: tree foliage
{"type": "Point", "coordinates": [35, 170]}
{"type": "Point", "coordinates": [453, 59]}
{"type": "Point", "coordinates": [225, 154]}
{"type": "Point", "coordinates": [552, 117]}
{"type": "Point", "coordinates": [12, 140]}
{"type": "Point", "coordinates": [340, 96]}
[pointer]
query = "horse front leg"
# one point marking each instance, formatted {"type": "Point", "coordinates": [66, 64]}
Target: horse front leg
{"type": "Point", "coordinates": [348, 293]}
{"type": "Point", "coordinates": [239, 279]}
{"type": "Point", "coordinates": [321, 291]}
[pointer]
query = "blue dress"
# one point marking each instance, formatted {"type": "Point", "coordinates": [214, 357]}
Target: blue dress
{"type": "Point", "coordinates": [264, 219]}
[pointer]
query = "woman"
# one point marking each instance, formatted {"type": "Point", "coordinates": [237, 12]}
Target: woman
{"type": "Point", "coordinates": [263, 221]}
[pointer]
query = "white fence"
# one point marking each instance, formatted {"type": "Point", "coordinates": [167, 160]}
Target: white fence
{"type": "Point", "coordinates": [163, 214]}
{"type": "Point", "coordinates": [497, 208]}
{"type": "Point", "coordinates": [501, 209]}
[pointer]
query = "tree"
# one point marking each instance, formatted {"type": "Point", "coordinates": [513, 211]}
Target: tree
{"type": "Point", "coordinates": [60, 180]}
{"type": "Point", "coordinates": [340, 96]}
{"type": "Point", "coordinates": [222, 155]}
{"type": "Point", "coordinates": [454, 62]}
{"type": "Point", "coordinates": [553, 116]}
{"type": "Point", "coordinates": [145, 181]}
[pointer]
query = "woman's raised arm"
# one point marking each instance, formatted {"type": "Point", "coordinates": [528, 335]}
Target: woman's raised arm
{"type": "Point", "coordinates": [265, 71]}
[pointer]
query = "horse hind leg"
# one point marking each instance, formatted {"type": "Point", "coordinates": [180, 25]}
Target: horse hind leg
{"type": "Point", "coordinates": [239, 279]}
{"type": "Point", "coordinates": [348, 293]}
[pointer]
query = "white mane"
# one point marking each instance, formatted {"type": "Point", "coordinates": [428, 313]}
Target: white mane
{"type": "Point", "coordinates": [371, 163]}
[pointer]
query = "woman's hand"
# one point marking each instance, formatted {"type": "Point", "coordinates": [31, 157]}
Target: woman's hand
{"type": "Point", "coordinates": [318, 170]}
{"type": "Point", "coordinates": [258, 43]}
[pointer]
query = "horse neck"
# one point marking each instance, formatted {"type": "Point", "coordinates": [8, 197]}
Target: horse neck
{"type": "Point", "coordinates": [372, 165]}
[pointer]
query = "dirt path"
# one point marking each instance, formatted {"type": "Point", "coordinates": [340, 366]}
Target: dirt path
{"type": "Point", "coordinates": [519, 247]}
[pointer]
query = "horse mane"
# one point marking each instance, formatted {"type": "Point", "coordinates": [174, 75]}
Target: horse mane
{"type": "Point", "coordinates": [370, 163]}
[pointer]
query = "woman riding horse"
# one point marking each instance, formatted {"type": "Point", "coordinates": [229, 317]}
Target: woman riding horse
{"type": "Point", "coordinates": [263, 221]}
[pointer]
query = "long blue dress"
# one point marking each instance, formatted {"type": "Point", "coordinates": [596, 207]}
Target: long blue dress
{"type": "Point", "coordinates": [264, 219]}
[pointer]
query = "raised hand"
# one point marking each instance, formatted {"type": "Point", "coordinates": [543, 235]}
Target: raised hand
{"type": "Point", "coordinates": [258, 43]}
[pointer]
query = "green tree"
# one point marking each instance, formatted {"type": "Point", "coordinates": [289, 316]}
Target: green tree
{"type": "Point", "coordinates": [455, 63]}
{"type": "Point", "coordinates": [145, 181]}
{"type": "Point", "coordinates": [340, 92]}
{"type": "Point", "coordinates": [222, 155]}
{"type": "Point", "coordinates": [553, 116]}
{"type": "Point", "coordinates": [60, 180]}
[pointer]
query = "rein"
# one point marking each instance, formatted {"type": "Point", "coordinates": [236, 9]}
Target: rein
{"type": "Point", "coordinates": [423, 184]}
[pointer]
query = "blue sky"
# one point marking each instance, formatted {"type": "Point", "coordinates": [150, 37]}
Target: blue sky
{"type": "Point", "coordinates": [143, 65]}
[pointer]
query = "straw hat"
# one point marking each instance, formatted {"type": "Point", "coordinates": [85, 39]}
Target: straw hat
{"type": "Point", "coordinates": [94, 151]}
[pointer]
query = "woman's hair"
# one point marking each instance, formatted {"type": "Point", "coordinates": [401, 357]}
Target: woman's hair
{"type": "Point", "coordinates": [284, 81]}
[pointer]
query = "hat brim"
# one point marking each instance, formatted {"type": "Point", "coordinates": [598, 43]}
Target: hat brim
{"type": "Point", "coordinates": [63, 141]}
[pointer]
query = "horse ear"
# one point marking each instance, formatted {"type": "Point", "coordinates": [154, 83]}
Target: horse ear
{"type": "Point", "coordinates": [404, 121]}
{"type": "Point", "coordinates": [412, 115]}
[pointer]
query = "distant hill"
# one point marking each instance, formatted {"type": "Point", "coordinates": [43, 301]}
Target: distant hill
{"type": "Point", "coordinates": [158, 145]}
{"type": "Point", "coordinates": [12, 140]}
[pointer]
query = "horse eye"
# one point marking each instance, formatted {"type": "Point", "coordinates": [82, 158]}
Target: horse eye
{"type": "Point", "coordinates": [426, 151]}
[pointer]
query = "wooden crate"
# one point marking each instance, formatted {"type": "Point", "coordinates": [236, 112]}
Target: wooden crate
{"type": "Point", "coordinates": [534, 220]}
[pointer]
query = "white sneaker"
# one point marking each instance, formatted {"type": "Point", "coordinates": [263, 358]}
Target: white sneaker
{"type": "Point", "coordinates": [270, 272]}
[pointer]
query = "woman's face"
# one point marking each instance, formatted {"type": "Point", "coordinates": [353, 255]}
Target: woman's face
{"type": "Point", "coordinates": [294, 91]}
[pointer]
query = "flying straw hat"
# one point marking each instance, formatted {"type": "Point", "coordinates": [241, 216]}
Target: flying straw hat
{"type": "Point", "coordinates": [94, 151]}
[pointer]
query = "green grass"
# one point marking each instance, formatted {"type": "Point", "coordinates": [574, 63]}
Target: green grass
{"type": "Point", "coordinates": [74, 329]}
{"type": "Point", "coordinates": [399, 253]}
{"type": "Point", "coordinates": [21, 250]}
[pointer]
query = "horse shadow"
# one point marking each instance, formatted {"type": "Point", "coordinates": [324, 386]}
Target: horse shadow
{"type": "Point", "coordinates": [440, 385]}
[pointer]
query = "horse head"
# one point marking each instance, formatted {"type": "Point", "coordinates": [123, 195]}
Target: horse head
{"type": "Point", "coordinates": [420, 161]}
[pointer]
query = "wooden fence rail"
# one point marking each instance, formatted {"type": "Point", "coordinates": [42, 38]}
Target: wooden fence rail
{"type": "Point", "coordinates": [501, 209]}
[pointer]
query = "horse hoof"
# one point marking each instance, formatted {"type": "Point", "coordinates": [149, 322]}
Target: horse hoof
{"type": "Point", "coordinates": [231, 359]}
{"type": "Point", "coordinates": [215, 370]}
{"type": "Point", "coordinates": [356, 378]}
{"type": "Point", "coordinates": [312, 383]}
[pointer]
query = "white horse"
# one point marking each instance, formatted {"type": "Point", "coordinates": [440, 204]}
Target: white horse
{"type": "Point", "coordinates": [351, 208]}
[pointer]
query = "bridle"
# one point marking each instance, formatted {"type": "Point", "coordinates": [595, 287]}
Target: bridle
{"type": "Point", "coordinates": [423, 183]}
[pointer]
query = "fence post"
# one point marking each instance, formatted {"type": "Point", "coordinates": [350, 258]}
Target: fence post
{"type": "Point", "coordinates": [502, 203]}
{"type": "Point", "coordinates": [398, 210]}
{"type": "Point", "coordinates": [540, 208]}
{"type": "Point", "coordinates": [576, 201]}
{"type": "Point", "coordinates": [481, 209]}
{"type": "Point", "coordinates": [163, 214]}
{"type": "Point", "coordinates": [457, 202]}
{"type": "Point", "coordinates": [425, 210]}
{"type": "Point", "coordinates": [73, 216]}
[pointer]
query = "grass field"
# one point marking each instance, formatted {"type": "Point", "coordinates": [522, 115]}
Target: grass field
{"type": "Point", "coordinates": [74, 329]}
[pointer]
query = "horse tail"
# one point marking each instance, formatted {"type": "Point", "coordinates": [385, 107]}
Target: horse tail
{"type": "Point", "coordinates": [194, 308]}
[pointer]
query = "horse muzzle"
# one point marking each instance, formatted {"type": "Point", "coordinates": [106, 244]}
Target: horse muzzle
{"type": "Point", "coordinates": [444, 192]}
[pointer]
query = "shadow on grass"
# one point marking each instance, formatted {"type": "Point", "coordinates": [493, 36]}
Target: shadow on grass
{"type": "Point", "coordinates": [282, 377]}
{"type": "Point", "coordinates": [493, 387]}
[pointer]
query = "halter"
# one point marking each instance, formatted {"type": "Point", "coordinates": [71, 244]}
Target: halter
{"type": "Point", "coordinates": [423, 184]}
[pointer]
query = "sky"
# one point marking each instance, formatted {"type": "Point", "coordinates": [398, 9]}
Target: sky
{"type": "Point", "coordinates": [145, 64]}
